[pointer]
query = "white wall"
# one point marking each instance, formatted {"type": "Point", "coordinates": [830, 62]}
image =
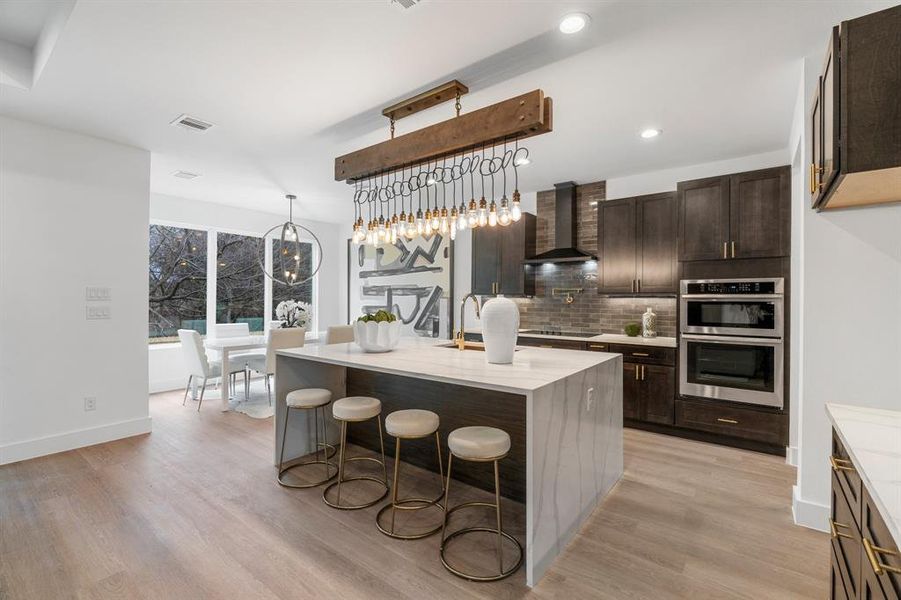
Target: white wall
{"type": "Point", "coordinates": [165, 363]}
{"type": "Point", "coordinates": [73, 213]}
{"type": "Point", "coordinates": [850, 330]}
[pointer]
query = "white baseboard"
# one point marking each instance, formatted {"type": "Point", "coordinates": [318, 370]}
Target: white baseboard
{"type": "Point", "coordinates": [17, 451]}
{"type": "Point", "coordinates": [809, 514]}
{"type": "Point", "coordinates": [167, 385]}
{"type": "Point", "coordinates": [791, 455]}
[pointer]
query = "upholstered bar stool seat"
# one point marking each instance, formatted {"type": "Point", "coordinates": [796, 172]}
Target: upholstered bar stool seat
{"type": "Point", "coordinates": [411, 424]}
{"type": "Point", "coordinates": [478, 444]}
{"type": "Point", "coordinates": [355, 409]}
{"type": "Point", "coordinates": [308, 398]}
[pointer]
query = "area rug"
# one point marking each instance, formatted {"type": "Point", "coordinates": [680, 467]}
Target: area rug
{"type": "Point", "coordinates": [257, 405]}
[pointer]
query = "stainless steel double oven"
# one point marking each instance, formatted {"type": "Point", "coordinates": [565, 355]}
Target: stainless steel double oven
{"type": "Point", "coordinates": [731, 340]}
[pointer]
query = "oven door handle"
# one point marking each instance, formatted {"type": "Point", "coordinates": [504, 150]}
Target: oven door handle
{"type": "Point", "coordinates": [732, 298]}
{"type": "Point", "coordinates": [717, 339]}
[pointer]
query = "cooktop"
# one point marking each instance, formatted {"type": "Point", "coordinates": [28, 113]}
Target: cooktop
{"type": "Point", "coordinates": [560, 333]}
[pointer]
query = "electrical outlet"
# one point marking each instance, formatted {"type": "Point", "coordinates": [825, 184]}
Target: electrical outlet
{"type": "Point", "coordinates": [97, 294]}
{"type": "Point", "coordinates": [90, 403]}
{"type": "Point", "coordinates": [97, 312]}
{"type": "Point", "coordinates": [588, 399]}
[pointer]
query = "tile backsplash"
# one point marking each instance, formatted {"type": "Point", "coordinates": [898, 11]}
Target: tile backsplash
{"type": "Point", "coordinates": [588, 312]}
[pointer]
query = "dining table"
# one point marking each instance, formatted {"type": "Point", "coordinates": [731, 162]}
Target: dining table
{"type": "Point", "coordinates": [225, 346]}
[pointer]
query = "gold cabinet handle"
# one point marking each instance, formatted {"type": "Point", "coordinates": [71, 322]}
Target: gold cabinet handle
{"type": "Point", "coordinates": [733, 249]}
{"type": "Point", "coordinates": [598, 346]}
{"type": "Point", "coordinates": [545, 346]}
{"type": "Point", "coordinates": [841, 464]}
{"type": "Point", "coordinates": [813, 181]}
{"type": "Point", "coordinates": [632, 288]}
{"type": "Point", "coordinates": [642, 372]}
{"type": "Point", "coordinates": [725, 249]}
{"type": "Point", "coordinates": [637, 378]}
{"type": "Point", "coordinates": [638, 286]}
{"type": "Point", "coordinates": [640, 354]}
{"type": "Point", "coordinates": [834, 527]}
{"type": "Point", "coordinates": [879, 567]}
{"type": "Point", "coordinates": [729, 421]}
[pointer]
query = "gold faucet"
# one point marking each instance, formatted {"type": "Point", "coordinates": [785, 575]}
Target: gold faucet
{"type": "Point", "coordinates": [460, 338]}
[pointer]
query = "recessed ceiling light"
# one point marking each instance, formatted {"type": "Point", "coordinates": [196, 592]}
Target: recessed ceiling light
{"type": "Point", "coordinates": [650, 133]}
{"type": "Point", "coordinates": [574, 22]}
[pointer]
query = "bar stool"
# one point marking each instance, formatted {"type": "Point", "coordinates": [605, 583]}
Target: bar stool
{"type": "Point", "coordinates": [315, 399]}
{"type": "Point", "coordinates": [410, 424]}
{"type": "Point", "coordinates": [478, 444]}
{"type": "Point", "coordinates": [356, 409]}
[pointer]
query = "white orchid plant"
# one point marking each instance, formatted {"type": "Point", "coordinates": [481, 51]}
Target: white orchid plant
{"type": "Point", "coordinates": [293, 314]}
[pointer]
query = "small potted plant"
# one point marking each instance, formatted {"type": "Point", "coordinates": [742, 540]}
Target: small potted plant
{"type": "Point", "coordinates": [379, 332]}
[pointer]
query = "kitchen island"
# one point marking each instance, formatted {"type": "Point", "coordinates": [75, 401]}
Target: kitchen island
{"type": "Point", "coordinates": [562, 409]}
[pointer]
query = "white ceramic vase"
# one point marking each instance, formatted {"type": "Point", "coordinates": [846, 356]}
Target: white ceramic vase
{"type": "Point", "coordinates": [376, 337]}
{"type": "Point", "coordinates": [500, 326]}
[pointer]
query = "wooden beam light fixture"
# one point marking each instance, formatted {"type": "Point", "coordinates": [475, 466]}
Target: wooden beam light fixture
{"type": "Point", "coordinates": [473, 150]}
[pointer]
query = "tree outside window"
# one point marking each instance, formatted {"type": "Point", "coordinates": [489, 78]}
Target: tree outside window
{"type": "Point", "coordinates": [177, 282]}
{"type": "Point", "coordinates": [298, 293]}
{"type": "Point", "coordinates": [239, 281]}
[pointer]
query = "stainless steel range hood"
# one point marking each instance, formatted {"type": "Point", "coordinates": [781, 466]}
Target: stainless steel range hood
{"type": "Point", "coordinates": [565, 223]}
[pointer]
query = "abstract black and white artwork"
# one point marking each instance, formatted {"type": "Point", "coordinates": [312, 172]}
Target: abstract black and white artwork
{"type": "Point", "coordinates": [411, 278]}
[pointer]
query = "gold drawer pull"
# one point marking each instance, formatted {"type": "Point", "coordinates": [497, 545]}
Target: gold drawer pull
{"type": "Point", "coordinates": [545, 346]}
{"type": "Point", "coordinates": [729, 421]}
{"type": "Point", "coordinates": [640, 354]}
{"type": "Point", "coordinates": [600, 346]}
{"type": "Point", "coordinates": [841, 464]}
{"type": "Point", "coordinates": [833, 528]}
{"type": "Point", "coordinates": [879, 567]}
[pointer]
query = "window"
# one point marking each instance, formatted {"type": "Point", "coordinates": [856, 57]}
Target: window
{"type": "Point", "coordinates": [177, 279]}
{"type": "Point", "coordinates": [298, 293]}
{"type": "Point", "coordinates": [240, 294]}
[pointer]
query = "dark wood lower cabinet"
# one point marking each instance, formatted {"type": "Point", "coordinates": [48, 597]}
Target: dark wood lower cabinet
{"type": "Point", "coordinates": [864, 553]}
{"type": "Point", "coordinates": [631, 391]}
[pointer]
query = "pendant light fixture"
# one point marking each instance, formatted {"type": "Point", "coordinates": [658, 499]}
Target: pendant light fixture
{"type": "Point", "coordinates": [286, 262]}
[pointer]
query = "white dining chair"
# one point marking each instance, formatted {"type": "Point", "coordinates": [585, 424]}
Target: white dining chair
{"type": "Point", "coordinates": [339, 334]}
{"type": "Point", "coordinates": [227, 330]}
{"type": "Point", "coordinates": [198, 365]}
{"type": "Point", "coordinates": [279, 339]}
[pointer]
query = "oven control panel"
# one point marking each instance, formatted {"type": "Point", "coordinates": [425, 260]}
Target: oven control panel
{"type": "Point", "coordinates": [732, 288]}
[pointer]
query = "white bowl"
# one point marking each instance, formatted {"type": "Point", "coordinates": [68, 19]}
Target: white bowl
{"type": "Point", "coordinates": [377, 337]}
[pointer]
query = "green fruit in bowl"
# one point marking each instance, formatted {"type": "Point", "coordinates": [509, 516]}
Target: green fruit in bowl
{"type": "Point", "coordinates": [632, 329]}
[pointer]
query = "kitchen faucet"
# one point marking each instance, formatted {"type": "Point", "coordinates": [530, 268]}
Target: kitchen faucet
{"type": "Point", "coordinates": [461, 339]}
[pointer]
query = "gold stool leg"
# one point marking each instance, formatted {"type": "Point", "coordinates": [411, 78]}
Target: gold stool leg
{"type": "Point", "coordinates": [450, 461]}
{"type": "Point", "coordinates": [281, 453]}
{"type": "Point", "coordinates": [394, 487]}
{"type": "Point", "coordinates": [329, 475]}
{"type": "Point", "coordinates": [382, 444]}
{"type": "Point", "coordinates": [341, 458]}
{"type": "Point", "coordinates": [500, 539]}
{"type": "Point", "coordinates": [343, 478]}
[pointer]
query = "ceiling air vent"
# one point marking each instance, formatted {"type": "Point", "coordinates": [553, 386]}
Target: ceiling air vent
{"type": "Point", "coordinates": [186, 175]}
{"type": "Point", "coordinates": [404, 3]}
{"type": "Point", "coordinates": [192, 123]}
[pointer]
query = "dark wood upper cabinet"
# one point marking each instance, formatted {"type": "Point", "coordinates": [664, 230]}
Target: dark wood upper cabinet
{"type": "Point", "coordinates": [497, 258]}
{"type": "Point", "coordinates": [855, 120]}
{"type": "Point", "coordinates": [703, 218]}
{"type": "Point", "coordinates": [742, 215]}
{"type": "Point", "coordinates": [617, 246]}
{"type": "Point", "coordinates": [637, 245]}
{"type": "Point", "coordinates": [760, 213]}
{"type": "Point", "coordinates": [657, 265]}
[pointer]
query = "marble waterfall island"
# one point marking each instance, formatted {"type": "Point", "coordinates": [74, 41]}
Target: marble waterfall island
{"type": "Point", "coordinates": [562, 409]}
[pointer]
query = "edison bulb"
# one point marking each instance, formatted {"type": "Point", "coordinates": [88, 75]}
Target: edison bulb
{"type": "Point", "coordinates": [515, 210]}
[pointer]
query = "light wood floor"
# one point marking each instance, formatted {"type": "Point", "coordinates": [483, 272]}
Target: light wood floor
{"type": "Point", "coordinates": [192, 511]}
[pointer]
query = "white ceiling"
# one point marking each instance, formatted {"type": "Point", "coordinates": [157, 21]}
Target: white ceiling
{"type": "Point", "coordinates": [291, 85]}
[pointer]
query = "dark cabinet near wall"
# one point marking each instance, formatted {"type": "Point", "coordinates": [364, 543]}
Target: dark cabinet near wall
{"type": "Point", "coordinates": [855, 119]}
{"type": "Point", "coordinates": [497, 258]}
{"type": "Point", "coordinates": [649, 382]}
{"type": "Point", "coordinates": [866, 563]}
{"type": "Point", "coordinates": [637, 245]}
{"type": "Point", "coordinates": [742, 215]}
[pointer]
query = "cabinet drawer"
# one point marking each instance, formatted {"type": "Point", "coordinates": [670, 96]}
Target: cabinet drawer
{"type": "Point", "coordinates": [645, 354]}
{"type": "Point", "coordinates": [546, 343]}
{"type": "Point", "coordinates": [847, 548]}
{"type": "Point", "coordinates": [767, 427]}
{"type": "Point", "coordinates": [847, 477]}
{"type": "Point", "coordinates": [598, 346]}
{"type": "Point", "coordinates": [883, 552]}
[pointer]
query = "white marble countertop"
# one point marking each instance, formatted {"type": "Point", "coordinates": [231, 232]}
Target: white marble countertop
{"type": "Point", "coordinates": [609, 338]}
{"type": "Point", "coordinates": [872, 438]}
{"type": "Point", "coordinates": [532, 368]}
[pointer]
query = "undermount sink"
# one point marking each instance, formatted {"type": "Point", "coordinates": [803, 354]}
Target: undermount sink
{"type": "Point", "coordinates": [468, 346]}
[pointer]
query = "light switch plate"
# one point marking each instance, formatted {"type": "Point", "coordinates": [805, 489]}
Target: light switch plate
{"type": "Point", "coordinates": [97, 312]}
{"type": "Point", "coordinates": [97, 294]}
{"type": "Point", "coordinates": [90, 403]}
